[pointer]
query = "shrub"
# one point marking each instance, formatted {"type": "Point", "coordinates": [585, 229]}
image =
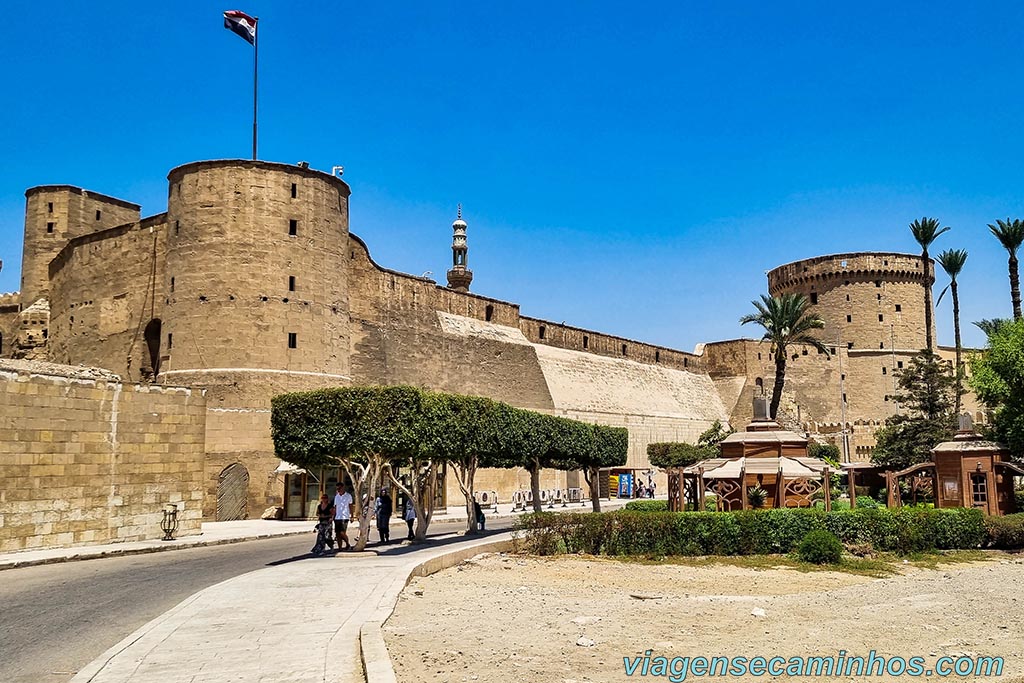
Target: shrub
{"type": "Point", "coordinates": [750, 532]}
{"type": "Point", "coordinates": [647, 506]}
{"type": "Point", "coordinates": [867, 502]}
{"type": "Point", "coordinates": [820, 547]}
{"type": "Point", "coordinates": [1005, 533]}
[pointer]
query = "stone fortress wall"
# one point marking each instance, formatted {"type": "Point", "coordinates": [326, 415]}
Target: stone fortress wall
{"type": "Point", "coordinates": [86, 458]}
{"type": "Point", "coordinates": [251, 285]}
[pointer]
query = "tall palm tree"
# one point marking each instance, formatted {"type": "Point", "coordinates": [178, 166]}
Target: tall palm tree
{"type": "Point", "coordinates": [786, 321]}
{"type": "Point", "coordinates": [1010, 234]}
{"type": "Point", "coordinates": [990, 326]}
{"type": "Point", "coordinates": [952, 261]}
{"type": "Point", "coordinates": [925, 231]}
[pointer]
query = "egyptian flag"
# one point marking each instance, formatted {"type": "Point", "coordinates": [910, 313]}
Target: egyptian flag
{"type": "Point", "coordinates": [242, 24]}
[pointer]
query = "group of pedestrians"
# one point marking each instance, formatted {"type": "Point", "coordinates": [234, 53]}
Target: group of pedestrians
{"type": "Point", "coordinates": [335, 515]}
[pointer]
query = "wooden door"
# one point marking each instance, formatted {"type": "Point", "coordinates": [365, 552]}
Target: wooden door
{"type": "Point", "coordinates": [232, 492]}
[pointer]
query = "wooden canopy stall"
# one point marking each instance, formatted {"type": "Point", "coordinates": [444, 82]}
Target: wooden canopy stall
{"type": "Point", "coordinates": [763, 467]}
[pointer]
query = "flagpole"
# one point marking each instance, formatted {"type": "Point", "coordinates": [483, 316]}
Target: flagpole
{"type": "Point", "coordinates": [255, 82]}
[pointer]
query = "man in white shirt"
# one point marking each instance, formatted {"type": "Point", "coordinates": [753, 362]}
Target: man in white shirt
{"type": "Point", "coordinates": [342, 516]}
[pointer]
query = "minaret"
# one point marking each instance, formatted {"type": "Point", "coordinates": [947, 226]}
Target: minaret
{"type": "Point", "coordinates": [459, 276]}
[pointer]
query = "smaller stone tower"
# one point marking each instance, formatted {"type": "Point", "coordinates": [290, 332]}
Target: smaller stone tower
{"type": "Point", "coordinates": [459, 276]}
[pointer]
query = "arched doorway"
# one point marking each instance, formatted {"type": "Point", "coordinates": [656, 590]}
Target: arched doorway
{"type": "Point", "coordinates": [232, 492]}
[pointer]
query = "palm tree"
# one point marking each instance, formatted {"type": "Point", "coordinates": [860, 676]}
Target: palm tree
{"type": "Point", "coordinates": [1010, 234]}
{"type": "Point", "coordinates": [925, 231]}
{"type": "Point", "coordinates": [786, 321]}
{"type": "Point", "coordinates": [990, 327]}
{"type": "Point", "coordinates": [952, 261]}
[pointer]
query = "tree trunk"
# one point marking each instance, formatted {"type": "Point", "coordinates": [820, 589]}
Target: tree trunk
{"type": "Point", "coordinates": [956, 334]}
{"type": "Point", "coordinates": [465, 472]}
{"type": "Point", "coordinates": [535, 486]}
{"type": "Point", "coordinates": [591, 476]}
{"type": "Point", "coordinates": [1015, 286]}
{"type": "Point", "coordinates": [364, 483]}
{"type": "Point", "coordinates": [421, 491]}
{"type": "Point", "coordinates": [780, 381]}
{"type": "Point", "coordinates": [925, 262]}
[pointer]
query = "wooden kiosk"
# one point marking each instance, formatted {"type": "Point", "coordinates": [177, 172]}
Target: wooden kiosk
{"type": "Point", "coordinates": [764, 457]}
{"type": "Point", "coordinates": [967, 472]}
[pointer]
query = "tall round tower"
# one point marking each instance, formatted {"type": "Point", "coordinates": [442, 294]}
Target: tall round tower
{"type": "Point", "coordinates": [867, 300]}
{"type": "Point", "coordinates": [256, 269]}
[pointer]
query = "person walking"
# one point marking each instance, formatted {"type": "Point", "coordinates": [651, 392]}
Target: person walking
{"type": "Point", "coordinates": [324, 513]}
{"type": "Point", "coordinates": [478, 512]}
{"type": "Point", "coordinates": [383, 509]}
{"type": "Point", "coordinates": [409, 517]}
{"type": "Point", "coordinates": [342, 516]}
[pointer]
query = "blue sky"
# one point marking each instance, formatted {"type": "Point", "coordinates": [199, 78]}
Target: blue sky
{"type": "Point", "coordinates": [631, 168]}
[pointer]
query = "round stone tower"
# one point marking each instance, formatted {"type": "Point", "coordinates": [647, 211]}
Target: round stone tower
{"type": "Point", "coordinates": [256, 269]}
{"type": "Point", "coordinates": [867, 300]}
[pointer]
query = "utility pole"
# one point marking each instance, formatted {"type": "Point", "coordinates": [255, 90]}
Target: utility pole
{"type": "Point", "coordinates": [892, 343]}
{"type": "Point", "coordinates": [842, 398]}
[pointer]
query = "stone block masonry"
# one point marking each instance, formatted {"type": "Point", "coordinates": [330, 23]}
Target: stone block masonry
{"type": "Point", "coordinates": [85, 458]}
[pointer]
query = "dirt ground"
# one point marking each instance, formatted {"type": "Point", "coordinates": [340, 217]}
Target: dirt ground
{"type": "Point", "coordinates": [572, 619]}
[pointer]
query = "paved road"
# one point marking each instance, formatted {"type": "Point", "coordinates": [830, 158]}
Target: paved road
{"type": "Point", "coordinates": [56, 618]}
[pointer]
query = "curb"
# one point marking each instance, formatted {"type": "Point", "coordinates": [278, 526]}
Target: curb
{"type": "Point", "coordinates": [377, 666]}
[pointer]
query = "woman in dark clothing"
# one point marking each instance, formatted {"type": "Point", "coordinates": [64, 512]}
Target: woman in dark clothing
{"type": "Point", "coordinates": [384, 508]}
{"type": "Point", "coordinates": [324, 517]}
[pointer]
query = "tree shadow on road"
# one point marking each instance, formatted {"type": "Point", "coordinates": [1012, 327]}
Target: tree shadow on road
{"type": "Point", "coordinates": [397, 549]}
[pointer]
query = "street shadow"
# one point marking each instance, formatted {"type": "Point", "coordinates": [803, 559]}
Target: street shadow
{"type": "Point", "coordinates": [396, 548]}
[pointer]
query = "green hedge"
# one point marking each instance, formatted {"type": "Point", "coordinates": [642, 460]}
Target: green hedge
{"type": "Point", "coordinates": [749, 532]}
{"type": "Point", "coordinates": [647, 506]}
{"type": "Point", "coordinates": [1005, 533]}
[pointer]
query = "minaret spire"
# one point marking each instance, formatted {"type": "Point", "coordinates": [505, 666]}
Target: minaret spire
{"type": "Point", "coordinates": [459, 276]}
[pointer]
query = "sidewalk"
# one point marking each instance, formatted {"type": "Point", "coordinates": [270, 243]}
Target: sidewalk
{"type": "Point", "coordinates": [218, 533]}
{"type": "Point", "coordinates": [312, 620]}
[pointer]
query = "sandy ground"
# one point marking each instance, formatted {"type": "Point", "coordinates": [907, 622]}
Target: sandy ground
{"type": "Point", "coordinates": [571, 619]}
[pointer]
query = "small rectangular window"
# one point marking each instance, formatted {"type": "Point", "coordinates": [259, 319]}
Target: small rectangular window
{"type": "Point", "coordinates": [170, 341]}
{"type": "Point", "coordinates": [847, 297]}
{"type": "Point", "coordinates": [293, 340]}
{"type": "Point", "coordinates": [849, 318]}
{"type": "Point", "coordinates": [291, 283]}
{"type": "Point", "coordinates": [98, 214]}
{"type": "Point", "coordinates": [541, 331]}
{"type": "Point", "coordinates": [623, 349]}
{"type": "Point", "coordinates": [814, 297]}
{"type": "Point", "coordinates": [49, 226]}
{"type": "Point", "coordinates": [884, 371]}
{"type": "Point", "coordinates": [878, 296]}
{"type": "Point", "coordinates": [657, 357]}
{"type": "Point", "coordinates": [881, 318]}
{"type": "Point", "coordinates": [177, 227]}
{"type": "Point", "coordinates": [489, 312]}
{"type": "Point", "coordinates": [899, 364]}
{"type": "Point", "coordinates": [686, 362]}
{"type": "Point", "coordinates": [172, 284]}
{"type": "Point", "coordinates": [849, 345]}
{"type": "Point", "coordinates": [295, 190]}
{"type": "Point", "coordinates": [586, 341]}
{"type": "Point", "coordinates": [878, 283]}
{"type": "Point", "coordinates": [49, 207]}
{"type": "Point", "coordinates": [844, 398]}
{"type": "Point", "coordinates": [899, 308]}
{"type": "Point", "coordinates": [293, 227]}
